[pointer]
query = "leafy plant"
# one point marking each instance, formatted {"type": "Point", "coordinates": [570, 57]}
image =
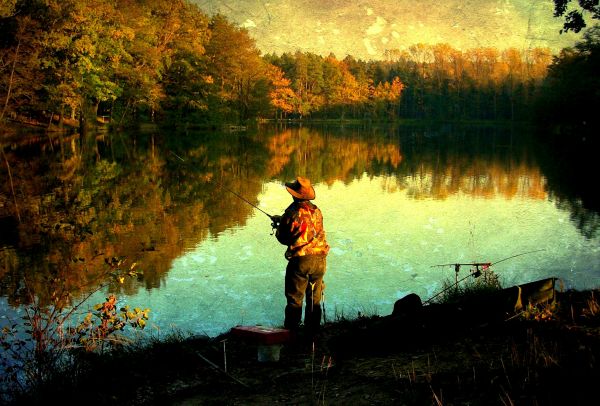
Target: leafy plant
{"type": "Point", "coordinates": [541, 312]}
{"type": "Point", "coordinates": [45, 341]}
{"type": "Point", "coordinates": [101, 327]}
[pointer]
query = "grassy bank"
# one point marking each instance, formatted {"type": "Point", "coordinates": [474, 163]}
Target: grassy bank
{"type": "Point", "coordinates": [545, 355]}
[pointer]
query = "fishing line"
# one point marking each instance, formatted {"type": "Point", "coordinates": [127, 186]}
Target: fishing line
{"type": "Point", "coordinates": [518, 255]}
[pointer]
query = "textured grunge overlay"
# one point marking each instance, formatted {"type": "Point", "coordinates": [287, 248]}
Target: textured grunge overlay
{"type": "Point", "coordinates": [367, 29]}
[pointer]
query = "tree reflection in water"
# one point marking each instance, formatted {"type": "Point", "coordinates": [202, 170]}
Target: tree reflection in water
{"type": "Point", "coordinates": [152, 196]}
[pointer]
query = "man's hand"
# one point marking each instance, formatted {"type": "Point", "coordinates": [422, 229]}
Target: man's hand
{"type": "Point", "coordinates": [288, 230]}
{"type": "Point", "coordinates": [275, 220]}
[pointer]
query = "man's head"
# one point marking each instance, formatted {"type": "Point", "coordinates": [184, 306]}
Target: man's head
{"type": "Point", "coordinates": [301, 189]}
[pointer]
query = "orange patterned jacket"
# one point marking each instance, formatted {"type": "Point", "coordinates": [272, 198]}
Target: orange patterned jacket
{"type": "Point", "coordinates": [301, 229]}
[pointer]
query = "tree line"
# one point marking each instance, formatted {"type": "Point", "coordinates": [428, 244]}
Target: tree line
{"type": "Point", "coordinates": [134, 60]}
{"type": "Point", "coordinates": [570, 96]}
{"type": "Point", "coordinates": [423, 82]}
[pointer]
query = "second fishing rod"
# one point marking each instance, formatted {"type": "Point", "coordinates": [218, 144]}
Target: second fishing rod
{"type": "Point", "coordinates": [474, 273]}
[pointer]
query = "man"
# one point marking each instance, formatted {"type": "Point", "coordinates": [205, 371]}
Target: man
{"type": "Point", "coordinates": [301, 229]}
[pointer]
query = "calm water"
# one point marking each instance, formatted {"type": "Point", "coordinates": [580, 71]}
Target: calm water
{"type": "Point", "coordinates": [396, 202]}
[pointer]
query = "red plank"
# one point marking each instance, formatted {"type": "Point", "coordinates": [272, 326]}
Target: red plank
{"type": "Point", "coordinates": [261, 334]}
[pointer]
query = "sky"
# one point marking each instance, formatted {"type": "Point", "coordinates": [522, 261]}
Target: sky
{"type": "Point", "coordinates": [365, 29]}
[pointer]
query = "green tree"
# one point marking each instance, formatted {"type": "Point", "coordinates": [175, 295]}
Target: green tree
{"type": "Point", "coordinates": [282, 96]}
{"type": "Point", "coordinates": [571, 92]}
{"type": "Point", "coordinates": [575, 17]}
{"type": "Point", "coordinates": [7, 7]}
{"type": "Point", "coordinates": [234, 63]}
{"type": "Point", "coordinates": [185, 80]}
{"type": "Point", "coordinates": [19, 65]}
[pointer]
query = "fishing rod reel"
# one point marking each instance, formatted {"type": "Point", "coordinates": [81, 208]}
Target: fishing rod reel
{"type": "Point", "coordinates": [480, 269]}
{"type": "Point", "coordinates": [275, 220]}
{"type": "Point", "coordinates": [476, 272]}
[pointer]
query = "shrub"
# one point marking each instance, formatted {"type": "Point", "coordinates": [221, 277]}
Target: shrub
{"type": "Point", "coordinates": [45, 342]}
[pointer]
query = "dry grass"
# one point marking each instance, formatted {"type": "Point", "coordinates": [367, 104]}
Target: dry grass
{"type": "Point", "coordinates": [522, 361]}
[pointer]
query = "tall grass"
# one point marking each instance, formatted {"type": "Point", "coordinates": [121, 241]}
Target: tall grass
{"type": "Point", "coordinates": [546, 356]}
{"type": "Point", "coordinates": [477, 285]}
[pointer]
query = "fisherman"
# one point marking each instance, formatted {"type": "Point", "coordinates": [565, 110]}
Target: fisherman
{"type": "Point", "coordinates": [301, 229]}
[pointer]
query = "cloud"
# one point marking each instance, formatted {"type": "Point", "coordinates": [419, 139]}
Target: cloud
{"type": "Point", "coordinates": [371, 50]}
{"type": "Point", "coordinates": [248, 24]}
{"type": "Point", "coordinates": [345, 24]}
{"type": "Point", "coordinates": [377, 26]}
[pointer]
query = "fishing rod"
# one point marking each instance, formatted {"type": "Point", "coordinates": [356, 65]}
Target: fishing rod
{"type": "Point", "coordinates": [518, 255]}
{"type": "Point", "coordinates": [486, 264]}
{"type": "Point", "coordinates": [229, 190]}
{"type": "Point", "coordinates": [476, 273]}
{"type": "Point", "coordinates": [274, 219]}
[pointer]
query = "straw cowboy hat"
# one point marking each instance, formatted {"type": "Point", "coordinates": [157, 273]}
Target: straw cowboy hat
{"type": "Point", "coordinates": [301, 189]}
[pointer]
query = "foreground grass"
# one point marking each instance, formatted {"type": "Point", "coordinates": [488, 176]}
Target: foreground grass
{"type": "Point", "coordinates": [546, 355]}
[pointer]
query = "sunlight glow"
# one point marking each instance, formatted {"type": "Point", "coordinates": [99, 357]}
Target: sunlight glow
{"type": "Point", "coordinates": [385, 240]}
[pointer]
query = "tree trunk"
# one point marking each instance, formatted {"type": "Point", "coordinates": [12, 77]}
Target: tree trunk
{"type": "Point", "coordinates": [10, 81]}
{"type": "Point", "coordinates": [83, 118]}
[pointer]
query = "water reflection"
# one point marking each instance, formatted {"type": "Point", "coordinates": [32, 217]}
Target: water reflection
{"type": "Point", "coordinates": [395, 202]}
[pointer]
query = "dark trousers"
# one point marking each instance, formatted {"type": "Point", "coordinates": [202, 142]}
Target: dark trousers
{"type": "Point", "coordinates": [304, 277]}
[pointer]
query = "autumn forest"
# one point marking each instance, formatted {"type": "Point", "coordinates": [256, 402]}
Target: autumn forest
{"type": "Point", "coordinates": [76, 62]}
{"type": "Point", "coordinates": [127, 61]}
{"type": "Point", "coordinates": [124, 125]}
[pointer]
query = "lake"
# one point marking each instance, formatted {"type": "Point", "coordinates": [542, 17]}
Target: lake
{"type": "Point", "coordinates": [396, 203]}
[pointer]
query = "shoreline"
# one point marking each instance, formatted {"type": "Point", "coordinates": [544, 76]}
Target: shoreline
{"type": "Point", "coordinates": [359, 361]}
